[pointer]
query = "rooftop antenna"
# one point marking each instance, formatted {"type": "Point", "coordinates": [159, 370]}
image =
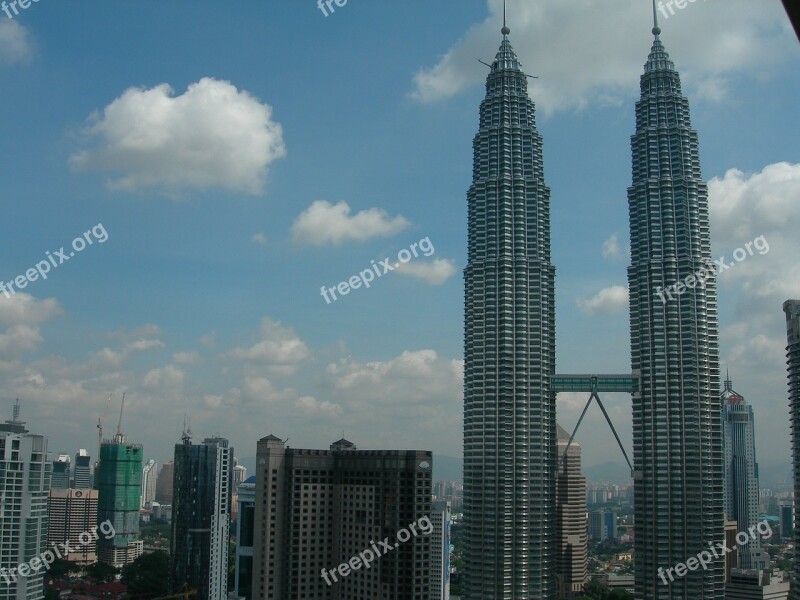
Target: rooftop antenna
{"type": "Point", "coordinates": [16, 411]}
{"type": "Point", "coordinates": [656, 28]}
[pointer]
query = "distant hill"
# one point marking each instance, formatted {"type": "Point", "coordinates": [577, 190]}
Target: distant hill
{"type": "Point", "coordinates": [608, 472]}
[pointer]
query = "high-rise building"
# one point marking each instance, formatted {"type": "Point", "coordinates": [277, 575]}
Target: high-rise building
{"type": "Point", "coordinates": [441, 513]}
{"type": "Point", "coordinates": [317, 509]}
{"type": "Point", "coordinates": [677, 433]}
{"type": "Point", "coordinates": [792, 310]}
{"type": "Point", "coordinates": [149, 483]}
{"type": "Point", "coordinates": [246, 498]}
{"type": "Point", "coordinates": [201, 517]}
{"type": "Point", "coordinates": [787, 519]}
{"type": "Point", "coordinates": [239, 475]}
{"type": "Point", "coordinates": [164, 483]}
{"type": "Point", "coordinates": [61, 472]}
{"type": "Point", "coordinates": [741, 474]}
{"type": "Point", "coordinates": [118, 479]}
{"type": "Point", "coordinates": [509, 351]}
{"type": "Point", "coordinates": [24, 483]}
{"type": "Point", "coordinates": [572, 546]}
{"type": "Point", "coordinates": [70, 513]}
{"type": "Point", "coordinates": [602, 525]}
{"type": "Point", "coordinates": [82, 478]}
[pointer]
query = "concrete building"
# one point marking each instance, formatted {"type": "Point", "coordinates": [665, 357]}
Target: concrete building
{"type": "Point", "coordinates": [148, 487]}
{"type": "Point", "coordinates": [677, 430]}
{"type": "Point", "coordinates": [61, 473]}
{"type": "Point", "coordinates": [82, 471]}
{"type": "Point", "coordinates": [602, 525]}
{"type": "Point", "coordinates": [741, 474]}
{"type": "Point", "coordinates": [753, 584]}
{"type": "Point", "coordinates": [787, 519]}
{"type": "Point", "coordinates": [572, 566]}
{"type": "Point", "coordinates": [118, 479]}
{"type": "Point", "coordinates": [239, 475]}
{"type": "Point", "coordinates": [509, 350]}
{"type": "Point", "coordinates": [316, 509]}
{"type": "Point", "coordinates": [24, 483]}
{"type": "Point", "coordinates": [792, 310]}
{"type": "Point", "coordinates": [246, 499]}
{"type": "Point", "coordinates": [201, 517]}
{"type": "Point", "coordinates": [441, 517]}
{"type": "Point", "coordinates": [71, 512]}
{"type": "Point", "coordinates": [164, 483]}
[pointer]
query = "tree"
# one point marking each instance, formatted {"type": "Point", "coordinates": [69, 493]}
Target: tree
{"type": "Point", "coordinates": [102, 572]}
{"type": "Point", "coordinates": [148, 574]}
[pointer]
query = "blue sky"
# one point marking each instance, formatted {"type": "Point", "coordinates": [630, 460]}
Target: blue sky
{"type": "Point", "coordinates": [216, 143]}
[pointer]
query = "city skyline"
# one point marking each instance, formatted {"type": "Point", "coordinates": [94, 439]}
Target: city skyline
{"type": "Point", "coordinates": [115, 317]}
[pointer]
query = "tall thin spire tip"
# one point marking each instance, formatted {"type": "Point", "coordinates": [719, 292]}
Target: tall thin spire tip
{"type": "Point", "coordinates": [656, 28]}
{"type": "Point", "coordinates": [505, 30]}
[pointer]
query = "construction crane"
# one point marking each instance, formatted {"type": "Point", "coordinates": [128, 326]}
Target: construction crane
{"type": "Point", "coordinates": [119, 438]}
{"type": "Point", "coordinates": [100, 421]}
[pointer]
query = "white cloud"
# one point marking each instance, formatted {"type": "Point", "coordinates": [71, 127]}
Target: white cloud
{"type": "Point", "coordinates": [608, 300]}
{"type": "Point", "coordinates": [168, 377]}
{"type": "Point", "coordinates": [312, 406]}
{"type": "Point", "coordinates": [15, 45]}
{"type": "Point", "coordinates": [211, 136]}
{"type": "Point", "coordinates": [279, 349]}
{"type": "Point", "coordinates": [24, 309]}
{"type": "Point", "coordinates": [567, 44]}
{"type": "Point", "coordinates": [18, 340]}
{"type": "Point", "coordinates": [185, 358]}
{"type": "Point", "coordinates": [326, 223]}
{"type": "Point", "coordinates": [259, 238]}
{"type": "Point", "coordinates": [435, 272]}
{"type": "Point", "coordinates": [611, 246]}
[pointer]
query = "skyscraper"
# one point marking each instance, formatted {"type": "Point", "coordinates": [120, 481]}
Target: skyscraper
{"type": "Point", "coordinates": [677, 437]}
{"type": "Point", "coordinates": [61, 472]}
{"type": "Point", "coordinates": [440, 550]}
{"type": "Point", "coordinates": [201, 517]}
{"type": "Point", "coordinates": [24, 483]}
{"type": "Point", "coordinates": [118, 479]}
{"type": "Point", "coordinates": [317, 509]}
{"type": "Point", "coordinates": [149, 483]}
{"type": "Point", "coordinates": [572, 564]}
{"type": "Point", "coordinates": [83, 473]}
{"type": "Point", "coordinates": [164, 483]}
{"type": "Point", "coordinates": [741, 474]}
{"type": "Point", "coordinates": [246, 498]}
{"type": "Point", "coordinates": [792, 310]}
{"type": "Point", "coordinates": [70, 512]}
{"type": "Point", "coordinates": [509, 351]}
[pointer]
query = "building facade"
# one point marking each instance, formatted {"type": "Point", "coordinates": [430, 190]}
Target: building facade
{"type": "Point", "coordinates": [164, 483]}
{"type": "Point", "coordinates": [70, 513]}
{"type": "Point", "coordinates": [24, 483]}
{"type": "Point", "coordinates": [741, 475]}
{"type": "Point", "coordinates": [509, 351]}
{"type": "Point", "coordinates": [148, 487]}
{"type": "Point", "coordinates": [245, 523]}
{"type": "Point", "coordinates": [753, 584]}
{"type": "Point", "coordinates": [677, 433]}
{"type": "Point", "coordinates": [118, 479]}
{"type": "Point", "coordinates": [201, 517]}
{"type": "Point", "coordinates": [316, 509]}
{"type": "Point", "coordinates": [82, 478]}
{"type": "Point", "coordinates": [602, 525]}
{"type": "Point", "coordinates": [571, 535]}
{"type": "Point", "coordinates": [60, 477]}
{"type": "Point", "coordinates": [791, 308]}
{"type": "Point", "coordinates": [441, 518]}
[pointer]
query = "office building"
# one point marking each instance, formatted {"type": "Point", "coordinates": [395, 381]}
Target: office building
{"type": "Point", "coordinates": [741, 474]}
{"type": "Point", "coordinates": [792, 310]}
{"type": "Point", "coordinates": [118, 479]}
{"type": "Point", "coordinates": [148, 488]}
{"type": "Point", "coordinates": [787, 519]}
{"type": "Point", "coordinates": [316, 509]}
{"type": "Point", "coordinates": [61, 472]}
{"type": "Point", "coordinates": [239, 475]}
{"type": "Point", "coordinates": [602, 525]}
{"type": "Point", "coordinates": [24, 483]}
{"type": "Point", "coordinates": [509, 351]}
{"type": "Point", "coordinates": [201, 517]}
{"type": "Point", "coordinates": [82, 478]}
{"type": "Point", "coordinates": [677, 432]}
{"type": "Point", "coordinates": [754, 584]}
{"type": "Point", "coordinates": [72, 512]}
{"type": "Point", "coordinates": [164, 483]}
{"type": "Point", "coordinates": [571, 536]}
{"type": "Point", "coordinates": [246, 499]}
{"type": "Point", "coordinates": [441, 517]}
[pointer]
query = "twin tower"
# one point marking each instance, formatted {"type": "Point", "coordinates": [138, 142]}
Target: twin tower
{"type": "Point", "coordinates": [510, 462]}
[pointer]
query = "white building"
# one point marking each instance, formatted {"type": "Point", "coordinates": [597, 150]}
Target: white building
{"type": "Point", "coordinates": [149, 476]}
{"type": "Point", "coordinates": [440, 550]}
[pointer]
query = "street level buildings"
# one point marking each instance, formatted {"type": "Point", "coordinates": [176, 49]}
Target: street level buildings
{"type": "Point", "coordinates": [509, 350]}
{"type": "Point", "coordinates": [24, 483]}
{"type": "Point", "coordinates": [201, 517]}
{"type": "Point", "coordinates": [677, 433]}
{"type": "Point", "coordinates": [754, 584]}
{"type": "Point", "coordinates": [315, 510]}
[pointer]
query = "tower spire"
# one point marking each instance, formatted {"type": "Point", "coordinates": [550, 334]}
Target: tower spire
{"type": "Point", "coordinates": [656, 28]}
{"type": "Point", "coordinates": [505, 30]}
